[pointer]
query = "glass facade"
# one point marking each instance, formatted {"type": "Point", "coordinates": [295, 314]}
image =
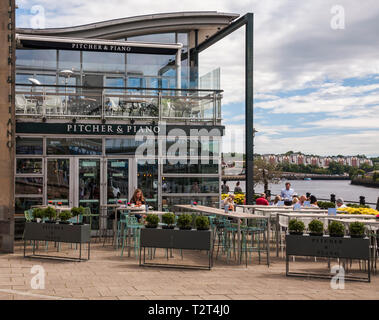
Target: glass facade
{"type": "Point", "coordinates": [97, 169]}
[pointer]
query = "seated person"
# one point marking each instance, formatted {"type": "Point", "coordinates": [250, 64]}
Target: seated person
{"type": "Point", "coordinates": [277, 199]}
{"type": "Point", "coordinates": [295, 200]}
{"type": "Point", "coordinates": [262, 200]}
{"type": "Point", "coordinates": [229, 200]}
{"type": "Point", "coordinates": [340, 203]}
{"type": "Point", "coordinates": [313, 201]}
{"type": "Point", "coordinates": [138, 200]}
{"type": "Point", "coordinates": [302, 199]}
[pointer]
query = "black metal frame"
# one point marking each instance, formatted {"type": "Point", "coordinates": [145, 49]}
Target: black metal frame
{"type": "Point", "coordinates": [51, 257]}
{"type": "Point", "coordinates": [248, 21]}
{"type": "Point", "coordinates": [143, 263]}
{"type": "Point", "coordinates": [328, 256]}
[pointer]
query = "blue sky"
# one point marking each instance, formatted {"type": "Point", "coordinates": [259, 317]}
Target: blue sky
{"type": "Point", "coordinates": [316, 87]}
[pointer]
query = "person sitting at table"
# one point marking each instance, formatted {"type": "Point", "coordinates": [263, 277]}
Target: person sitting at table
{"type": "Point", "coordinates": [295, 200]}
{"type": "Point", "coordinates": [302, 199]}
{"type": "Point", "coordinates": [340, 204]}
{"type": "Point", "coordinates": [262, 200]}
{"type": "Point", "coordinates": [229, 200]}
{"type": "Point", "coordinates": [313, 201]}
{"type": "Point", "coordinates": [138, 200]}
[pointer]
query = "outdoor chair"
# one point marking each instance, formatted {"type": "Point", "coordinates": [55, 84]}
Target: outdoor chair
{"type": "Point", "coordinates": [52, 105]}
{"type": "Point", "coordinates": [24, 105]}
{"type": "Point", "coordinates": [251, 238]}
{"type": "Point", "coordinates": [133, 228]}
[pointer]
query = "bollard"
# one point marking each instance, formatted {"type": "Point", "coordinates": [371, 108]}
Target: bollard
{"type": "Point", "coordinates": [377, 204]}
{"type": "Point", "coordinates": [333, 198]}
{"type": "Point", "coordinates": [362, 200]}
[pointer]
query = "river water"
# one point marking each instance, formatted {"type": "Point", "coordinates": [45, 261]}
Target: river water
{"type": "Point", "coordinates": [321, 189]}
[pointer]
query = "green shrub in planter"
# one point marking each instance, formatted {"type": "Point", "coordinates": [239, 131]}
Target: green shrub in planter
{"type": "Point", "coordinates": [50, 213]}
{"type": "Point", "coordinates": [38, 213]}
{"type": "Point", "coordinates": [185, 222]}
{"type": "Point", "coordinates": [325, 205]}
{"type": "Point", "coordinates": [75, 211]}
{"type": "Point", "coordinates": [169, 219]}
{"type": "Point", "coordinates": [357, 229]}
{"type": "Point", "coordinates": [316, 227]}
{"type": "Point", "coordinates": [152, 220]}
{"type": "Point", "coordinates": [65, 215]}
{"type": "Point", "coordinates": [202, 223]}
{"type": "Point", "coordinates": [296, 226]}
{"type": "Point", "coordinates": [336, 229]}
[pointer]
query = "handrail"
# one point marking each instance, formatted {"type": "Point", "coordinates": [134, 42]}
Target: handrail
{"type": "Point", "coordinates": [119, 88]}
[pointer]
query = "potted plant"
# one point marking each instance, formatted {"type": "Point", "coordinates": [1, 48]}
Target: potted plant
{"type": "Point", "coordinates": [185, 222]}
{"type": "Point", "coordinates": [76, 211]}
{"type": "Point", "coordinates": [152, 220]}
{"type": "Point", "coordinates": [50, 213]}
{"type": "Point", "coordinates": [202, 223]}
{"type": "Point", "coordinates": [296, 227]}
{"type": "Point", "coordinates": [169, 219]}
{"type": "Point", "coordinates": [37, 215]}
{"type": "Point", "coordinates": [357, 229]}
{"type": "Point", "coordinates": [64, 216]}
{"type": "Point", "coordinates": [336, 229]}
{"type": "Point", "coordinates": [316, 228]}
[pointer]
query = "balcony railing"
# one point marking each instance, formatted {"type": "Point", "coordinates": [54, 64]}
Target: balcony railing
{"type": "Point", "coordinates": [52, 101]}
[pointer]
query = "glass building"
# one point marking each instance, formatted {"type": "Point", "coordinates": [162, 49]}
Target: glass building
{"type": "Point", "coordinates": [105, 108]}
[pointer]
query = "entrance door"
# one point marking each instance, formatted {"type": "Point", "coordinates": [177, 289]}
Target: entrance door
{"type": "Point", "coordinates": [88, 189]}
{"type": "Point", "coordinates": [118, 183]}
{"type": "Point", "coordinates": [58, 188]}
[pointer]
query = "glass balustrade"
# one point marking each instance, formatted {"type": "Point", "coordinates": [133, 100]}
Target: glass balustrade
{"type": "Point", "coordinates": [117, 103]}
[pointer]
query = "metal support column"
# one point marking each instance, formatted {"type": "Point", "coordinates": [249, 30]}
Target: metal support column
{"type": "Point", "coordinates": [249, 108]}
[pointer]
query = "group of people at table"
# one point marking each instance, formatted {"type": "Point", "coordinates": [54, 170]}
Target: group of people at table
{"type": "Point", "coordinates": [286, 197]}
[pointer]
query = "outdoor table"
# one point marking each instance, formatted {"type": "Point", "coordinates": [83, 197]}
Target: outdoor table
{"type": "Point", "coordinates": [232, 214]}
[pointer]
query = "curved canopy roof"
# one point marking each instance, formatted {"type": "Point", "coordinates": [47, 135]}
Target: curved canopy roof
{"type": "Point", "coordinates": [142, 25]}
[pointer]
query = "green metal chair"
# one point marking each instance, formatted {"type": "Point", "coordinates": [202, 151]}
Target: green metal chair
{"type": "Point", "coordinates": [134, 228]}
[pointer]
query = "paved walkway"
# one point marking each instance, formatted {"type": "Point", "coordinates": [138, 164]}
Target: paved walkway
{"type": "Point", "coordinates": [109, 276]}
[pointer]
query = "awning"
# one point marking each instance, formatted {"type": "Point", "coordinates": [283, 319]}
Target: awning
{"type": "Point", "coordinates": [94, 45]}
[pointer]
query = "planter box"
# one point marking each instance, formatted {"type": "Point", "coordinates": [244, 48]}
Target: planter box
{"type": "Point", "coordinates": [328, 247]}
{"type": "Point", "coordinates": [57, 232]}
{"type": "Point", "coordinates": [176, 239]}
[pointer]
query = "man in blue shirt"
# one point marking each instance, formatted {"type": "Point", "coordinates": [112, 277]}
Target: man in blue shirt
{"type": "Point", "coordinates": [287, 192]}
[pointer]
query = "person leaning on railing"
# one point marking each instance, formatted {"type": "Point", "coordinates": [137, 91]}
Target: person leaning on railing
{"type": "Point", "coordinates": [229, 201]}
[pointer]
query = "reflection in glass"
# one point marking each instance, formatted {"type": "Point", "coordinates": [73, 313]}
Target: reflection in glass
{"type": "Point", "coordinates": [69, 146]}
{"type": "Point", "coordinates": [29, 185]}
{"type": "Point", "coordinates": [192, 147]}
{"type": "Point", "coordinates": [118, 180]}
{"type": "Point", "coordinates": [126, 146]}
{"type": "Point", "coordinates": [29, 145]}
{"type": "Point", "coordinates": [104, 61]}
{"type": "Point", "coordinates": [37, 59]}
{"type": "Point", "coordinates": [168, 203]}
{"type": "Point", "coordinates": [190, 185]}
{"type": "Point", "coordinates": [147, 174]}
{"type": "Point", "coordinates": [89, 186]}
{"type": "Point", "coordinates": [69, 60]}
{"type": "Point", "coordinates": [22, 204]}
{"type": "Point", "coordinates": [29, 166]}
{"type": "Point", "coordinates": [58, 181]}
{"type": "Point", "coordinates": [188, 166]}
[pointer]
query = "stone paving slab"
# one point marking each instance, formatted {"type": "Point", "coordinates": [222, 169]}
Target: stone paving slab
{"type": "Point", "coordinates": [109, 276]}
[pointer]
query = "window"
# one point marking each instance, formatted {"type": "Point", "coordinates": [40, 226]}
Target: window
{"type": "Point", "coordinates": [69, 60]}
{"type": "Point", "coordinates": [176, 166]}
{"type": "Point", "coordinates": [67, 146]}
{"type": "Point", "coordinates": [37, 59]}
{"type": "Point", "coordinates": [29, 185]}
{"type": "Point", "coordinates": [22, 204]}
{"type": "Point", "coordinates": [157, 37]}
{"type": "Point", "coordinates": [25, 166]}
{"type": "Point", "coordinates": [104, 61]}
{"type": "Point", "coordinates": [147, 174]}
{"type": "Point", "coordinates": [190, 185]}
{"type": "Point", "coordinates": [127, 146]}
{"type": "Point", "coordinates": [29, 145]}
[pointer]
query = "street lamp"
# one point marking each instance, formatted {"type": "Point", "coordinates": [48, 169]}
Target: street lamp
{"type": "Point", "coordinates": [67, 74]}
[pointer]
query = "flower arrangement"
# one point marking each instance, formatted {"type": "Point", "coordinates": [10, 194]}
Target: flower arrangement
{"type": "Point", "coordinates": [238, 198]}
{"type": "Point", "coordinates": [358, 211]}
